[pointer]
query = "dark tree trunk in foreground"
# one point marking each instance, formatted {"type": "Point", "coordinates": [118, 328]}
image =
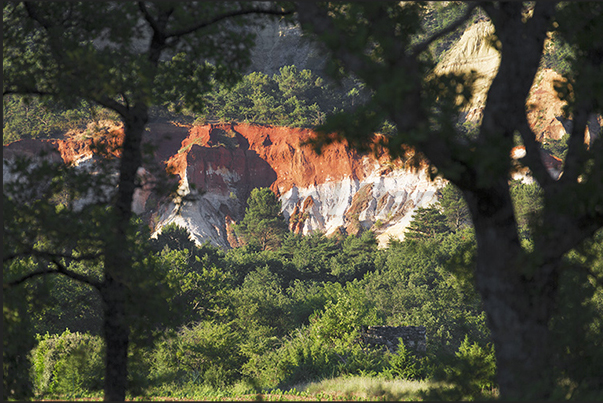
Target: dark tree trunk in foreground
{"type": "Point", "coordinates": [519, 298]}
{"type": "Point", "coordinates": [118, 259]}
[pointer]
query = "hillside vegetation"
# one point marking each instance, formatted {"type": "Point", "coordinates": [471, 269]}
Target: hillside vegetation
{"type": "Point", "coordinates": [250, 321]}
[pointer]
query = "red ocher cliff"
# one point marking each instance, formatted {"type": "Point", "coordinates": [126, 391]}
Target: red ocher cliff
{"type": "Point", "coordinates": [222, 163]}
{"type": "Point", "coordinates": [219, 165]}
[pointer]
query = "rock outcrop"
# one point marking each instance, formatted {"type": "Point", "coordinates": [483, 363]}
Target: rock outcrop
{"type": "Point", "coordinates": [217, 166]}
{"type": "Point", "coordinates": [389, 337]}
{"type": "Point", "coordinates": [339, 190]}
{"type": "Point", "coordinates": [474, 52]}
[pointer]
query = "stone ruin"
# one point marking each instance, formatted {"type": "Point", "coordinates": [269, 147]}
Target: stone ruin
{"type": "Point", "coordinates": [388, 337]}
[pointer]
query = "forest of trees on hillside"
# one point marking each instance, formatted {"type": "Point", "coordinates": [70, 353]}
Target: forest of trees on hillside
{"type": "Point", "coordinates": [252, 318]}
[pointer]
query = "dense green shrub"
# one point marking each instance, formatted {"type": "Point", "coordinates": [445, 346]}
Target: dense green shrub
{"type": "Point", "coordinates": [261, 302]}
{"type": "Point", "coordinates": [558, 148]}
{"type": "Point", "coordinates": [404, 364]}
{"type": "Point", "coordinates": [471, 372]}
{"type": "Point", "coordinates": [289, 98]}
{"type": "Point", "coordinates": [292, 97]}
{"type": "Point", "coordinates": [264, 226]}
{"type": "Point", "coordinates": [304, 357]}
{"type": "Point", "coordinates": [275, 318]}
{"type": "Point", "coordinates": [205, 353]}
{"type": "Point", "coordinates": [346, 311]}
{"type": "Point", "coordinates": [68, 363]}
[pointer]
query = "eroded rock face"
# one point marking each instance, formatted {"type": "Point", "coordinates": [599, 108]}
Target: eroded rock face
{"type": "Point", "coordinates": [339, 190]}
{"type": "Point", "coordinates": [217, 166]}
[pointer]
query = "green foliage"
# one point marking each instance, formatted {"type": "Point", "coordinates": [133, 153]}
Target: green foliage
{"type": "Point", "coordinates": [427, 222]}
{"type": "Point", "coordinates": [558, 148]}
{"type": "Point", "coordinates": [346, 310]}
{"type": "Point", "coordinates": [205, 353]}
{"type": "Point", "coordinates": [416, 286]}
{"type": "Point", "coordinates": [578, 326]}
{"type": "Point", "coordinates": [66, 304]}
{"type": "Point", "coordinates": [260, 302]}
{"type": "Point", "coordinates": [404, 364]}
{"type": "Point", "coordinates": [284, 308]}
{"type": "Point", "coordinates": [294, 314]}
{"type": "Point", "coordinates": [35, 118]}
{"type": "Point", "coordinates": [291, 98]}
{"type": "Point", "coordinates": [113, 71]}
{"type": "Point", "coordinates": [67, 363]}
{"type": "Point", "coordinates": [43, 210]}
{"type": "Point", "coordinates": [196, 273]}
{"type": "Point", "coordinates": [303, 358]}
{"type": "Point", "coordinates": [311, 255]}
{"type": "Point", "coordinates": [454, 207]}
{"type": "Point", "coordinates": [174, 237]}
{"type": "Point", "coordinates": [527, 202]}
{"type": "Point", "coordinates": [263, 225]}
{"type": "Point", "coordinates": [356, 258]}
{"type": "Point", "coordinates": [473, 359]}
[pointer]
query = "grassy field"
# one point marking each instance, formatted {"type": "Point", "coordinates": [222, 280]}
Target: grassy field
{"type": "Point", "coordinates": [347, 388]}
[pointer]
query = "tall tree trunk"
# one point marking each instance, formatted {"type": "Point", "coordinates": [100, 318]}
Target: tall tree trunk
{"type": "Point", "coordinates": [518, 294]}
{"type": "Point", "coordinates": [118, 259]}
{"type": "Point", "coordinates": [117, 336]}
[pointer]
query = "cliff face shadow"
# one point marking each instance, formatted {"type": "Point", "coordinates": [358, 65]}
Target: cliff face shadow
{"type": "Point", "coordinates": [228, 171]}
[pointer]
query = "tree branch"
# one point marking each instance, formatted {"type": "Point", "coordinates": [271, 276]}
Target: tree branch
{"type": "Point", "coordinates": [421, 47]}
{"type": "Point", "coordinates": [236, 13]}
{"type": "Point", "coordinates": [112, 104]}
{"type": "Point", "coordinates": [149, 18]}
{"type": "Point", "coordinates": [60, 269]}
{"type": "Point", "coordinates": [75, 276]}
{"type": "Point", "coordinates": [505, 110]}
{"type": "Point", "coordinates": [568, 232]}
{"type": "Point", "coordinates": [26, 277]}
{"type": "Point", "coordinates": [491, 9]}
{"type": "Point", "coordinates": [576, 148]}
{"type": "Point", "coordinates": [32, 91]}
{"type": "Point", "coordinates": [33, 14]}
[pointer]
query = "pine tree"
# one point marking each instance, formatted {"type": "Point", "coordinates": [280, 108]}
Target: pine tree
{"type": "Point", "coordinates": [264, 225]}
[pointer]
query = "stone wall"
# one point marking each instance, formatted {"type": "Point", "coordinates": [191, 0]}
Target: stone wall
{"type": "Point", "coordinates": [388, 336]}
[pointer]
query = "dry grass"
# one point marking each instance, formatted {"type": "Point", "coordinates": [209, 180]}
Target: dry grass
{"type": "Point", "coordinates": [368, 388]}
